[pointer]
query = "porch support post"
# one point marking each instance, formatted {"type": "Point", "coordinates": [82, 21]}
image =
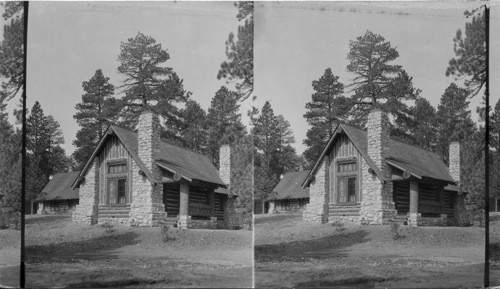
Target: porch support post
{"type": "Point", "coordinates": [183, 221]}
{"type": "Point", "coordinates": [413, 215]}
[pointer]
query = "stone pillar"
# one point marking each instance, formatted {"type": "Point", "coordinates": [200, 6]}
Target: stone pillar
{"type": "Point", "coordinates": [183, 221]}
{"type": "Point", "coordinates": [147, 208]}
{"type": "Point", "coordinates": [87, 210]}
{"type": "Point", "coordinates": [377, 206]}
{"type": "Point", "coordinates": [454, 159]}
{"type": "Point", "coordinates": [40, 208]}
{"type": "Point", "coordinates": [413, 216]}
{"type": "Point", "coordinates": [272, 207]}
{"type": "Point", "coordinates": [317, 210]}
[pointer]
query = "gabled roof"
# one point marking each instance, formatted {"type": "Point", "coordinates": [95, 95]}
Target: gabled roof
{"type": "Point", "coordinates": [59, 187]}
{"type": "Point", "coordinates": [418, 162]}
{"type": "Point", "coordinates": [290, 186]}
{"type": "Point", "coordinates": [189, 165]}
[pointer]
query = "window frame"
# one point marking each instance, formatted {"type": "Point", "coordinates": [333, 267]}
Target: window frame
{"type": "Point", "coordinates": [116, 177]}
{"type": "Point", "coordinates": [346, 175]}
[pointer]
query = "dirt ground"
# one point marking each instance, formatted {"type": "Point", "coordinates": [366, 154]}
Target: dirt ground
{"type": "Point", "coordinates": [292, 253]}
{"type": "Point", "coordinates": [10, 251]}
{"type": "Point", "coordinates": [66, 254]}
{"type": "Point", "coordinates": [494, 249]}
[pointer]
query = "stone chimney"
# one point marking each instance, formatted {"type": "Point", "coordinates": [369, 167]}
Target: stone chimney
{"type": "Point", "coordinates": [147, 208]}
{"type": "Point", "coordinates": [377, 205]}
{"type": "Point", "coordinates": [454, 158]}
{"type": "Point", "coordinates": [378, 138]}
{"type": "Point", "coordinates": [225, 164]}
{"type": "Point", "coordinates": [148, 129]}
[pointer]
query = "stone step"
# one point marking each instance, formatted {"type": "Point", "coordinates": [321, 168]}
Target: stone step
{"type": "Point", "coordinates": [104, 207]}
{"type": "Point", "coordinates": [115, 212]}
{"type": "Point", "coordinates": [344, 214]}
{"type": "Point", "coordinates": [101, 215]}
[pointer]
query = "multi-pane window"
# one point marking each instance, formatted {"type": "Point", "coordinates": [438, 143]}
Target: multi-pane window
{"type": "Point", "coordinates": [347, 190]}
{"type": "Point", "coordinates": [117, 168]}
{"type": "Point", "coordinates": [117, 183]}
{"type": "Point", "coordinates": [346, 167]}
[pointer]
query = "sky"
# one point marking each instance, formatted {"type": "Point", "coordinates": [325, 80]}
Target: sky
{"type": "Point", "coordinates": [296, 41]}
{"type": "Point", "coordinates": [69, 41]}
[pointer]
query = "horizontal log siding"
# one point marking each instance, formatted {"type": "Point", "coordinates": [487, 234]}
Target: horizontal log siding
{"type": "Point", "coordinates": [198, 195]}
{"type": "Point", "coordinates": [343, 148]}
{"type": "Point", "coordinates": [219, 200]}
{"type": "Point", "coordinates": [401, 195]}
{"type": "Point", "coordinates": [171, 199]}
{"type": "Point", "coordinates": [428, 192]}
{"type": "Point", "coordinates": [449, 203]}
{"type": "Point", "coordinates": [113, 149]}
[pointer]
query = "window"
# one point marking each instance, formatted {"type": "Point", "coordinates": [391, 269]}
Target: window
{"type": "Point", "coordinates": [117, 183]}
{"type": "Point", "coordinates": [117, 191]}
{"type": "Point", "coordinates": [346, 167]}
{"type": "Point", "coordinates": [347, 191]}
{"type": "Point", "coordinates": [117, 168]}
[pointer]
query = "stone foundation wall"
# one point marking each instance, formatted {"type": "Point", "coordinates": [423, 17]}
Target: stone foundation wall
{"type": "Point", "coordinates": [426, 221]}
{"type": "Point", "coordinates": [86, 211]}
{"type": "Point", "coordinates": [317, 209]}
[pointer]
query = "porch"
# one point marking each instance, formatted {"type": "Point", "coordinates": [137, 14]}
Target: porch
{"type": "Point", "coordinates": [191, 206]}
{"type": "Point", "coordinates": [423, 202]}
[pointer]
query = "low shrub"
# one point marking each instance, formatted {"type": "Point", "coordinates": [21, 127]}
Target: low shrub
{"type": "Point", "coordinates": [339, 226]}
{"type": "Point", "coordinates": [108, 227]}
{"type": "Point", "coordinates": [395, 231]}
{"type": "Point", "coordinates": [167, 234]}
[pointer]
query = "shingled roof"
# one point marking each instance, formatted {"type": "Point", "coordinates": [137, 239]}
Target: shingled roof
{"type": "Point", "coordinates": [290, 187]}
{"type": "Point", "coordinates": [418, 162]}
{"type": "Point", "coordinates": [59, 187]}
{"type": "Point", "coordinates": [190, 165]}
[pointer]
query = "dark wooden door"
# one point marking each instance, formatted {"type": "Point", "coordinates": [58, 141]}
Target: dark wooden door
{"type": "Point", "coordinates": [171, 199]}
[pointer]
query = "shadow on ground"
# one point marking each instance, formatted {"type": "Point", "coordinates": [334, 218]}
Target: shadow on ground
{"type": "Point", "coordinates": [329, 247]}
{"type": "Point", "coordinates": [101, 248]}
{"type": "Point", "coordinates": [355, 282]}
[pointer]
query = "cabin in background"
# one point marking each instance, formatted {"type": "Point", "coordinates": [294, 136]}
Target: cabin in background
{"type": "Point", "coordinates": [288, 195]}
{"type": "Point", "coordinates": [57, 196]}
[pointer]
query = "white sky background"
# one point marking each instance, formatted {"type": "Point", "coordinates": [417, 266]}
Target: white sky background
{"type": "Point", "coordinates": [69, 41]}
{"type": "Point", "coordinates": [296, 41]}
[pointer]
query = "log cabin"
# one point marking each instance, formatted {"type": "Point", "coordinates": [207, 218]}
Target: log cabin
{"type": "Point", "coordinates": [57, 196]}
{"type": "Point", "coordinates": [368, 178]}
{"type": "Point", "coordinates": [138, 179]}
{"type": "Point", "coordinates": [288, 195]}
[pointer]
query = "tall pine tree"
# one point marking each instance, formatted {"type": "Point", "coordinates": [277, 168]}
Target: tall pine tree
{"type": "Point", "coordinates": [454, 119]}
{"type": "Point", "coordinates": [148, 83]}
{"type": "Point", "coordinates": [377, 81]}
{"type": "Point", "coordinates": [327, 107]}
{"type": "Point", "coordinates": [224, 122]}
{"type": "Point", "coordinates": [94, 114]}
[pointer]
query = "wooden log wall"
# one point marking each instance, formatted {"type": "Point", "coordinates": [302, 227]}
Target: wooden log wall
{"type": "Point", "coordinates": [401, 196]}
{"type": "Point", "coordinates": [428, 192]}
{"type": "Point", "coordinates": [198, 195]}
{"type": "Point", "coordinates": [171, 199]}
{"type": "Point", "coordinates": [449, 203]}
{"type": "Point", "coordinates": [219, 200]}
